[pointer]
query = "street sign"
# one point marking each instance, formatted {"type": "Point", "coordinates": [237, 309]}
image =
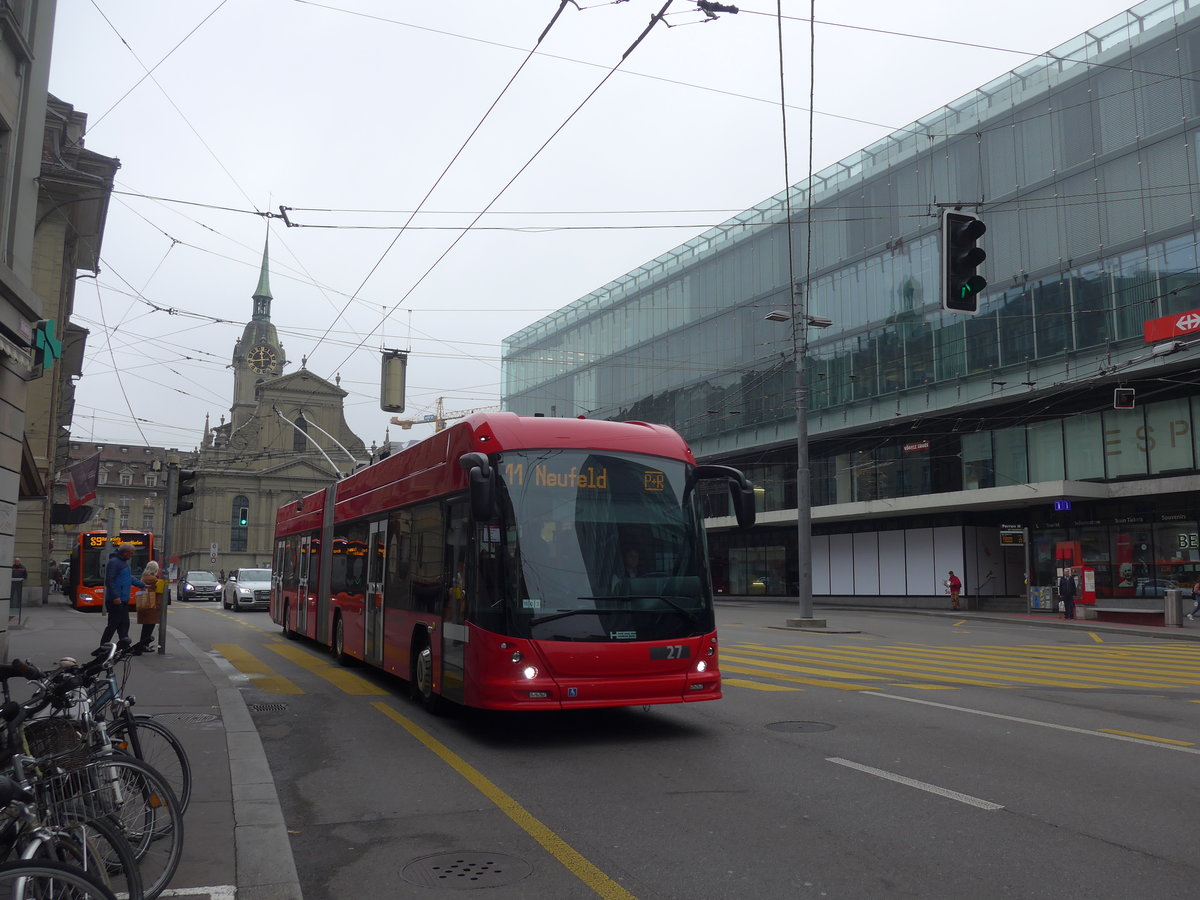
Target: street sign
{"type": "Point", "coordinates": [1169, 327]}
{"type": "Point", "coordinates": [1062, 505]}
{"type": "Point", "coordinates": [1012, 538]}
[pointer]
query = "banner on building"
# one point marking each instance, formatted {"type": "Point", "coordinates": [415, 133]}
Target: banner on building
{"type": "Point", "coordinates": [82, 479]}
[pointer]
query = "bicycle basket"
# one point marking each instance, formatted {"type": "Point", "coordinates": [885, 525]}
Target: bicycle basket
{"type": "Point", "coordinates": [85, 794]}
{"type": "Point", "coordinates": [56, 742]}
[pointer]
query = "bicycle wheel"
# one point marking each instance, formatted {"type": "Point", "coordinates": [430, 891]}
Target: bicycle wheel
{"type": "Point", "coordinates": [48, 880]}
{"type": "Point", "coordinates": [130, 794]}
{"type": "Point", "coordinates": [98, 848]}
{"type": "Point", "coordinates": [154, 743]}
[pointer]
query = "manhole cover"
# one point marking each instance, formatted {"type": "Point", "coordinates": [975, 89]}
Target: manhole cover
{"type": "Point", "coordinates": [268, 707]}
{"type": "Point", "coordinates": [188, 718]}
{"type": "Point", "coordinates": [800, 726]}
{"type": "Point", "coordinates": [465, 871]}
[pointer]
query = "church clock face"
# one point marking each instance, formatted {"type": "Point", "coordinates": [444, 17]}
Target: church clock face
{"type": "Point", "coordinates": [262, 359]}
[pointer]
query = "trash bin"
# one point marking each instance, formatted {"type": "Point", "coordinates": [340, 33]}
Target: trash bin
{"type": "Point", "coordinates": [1173, 607]}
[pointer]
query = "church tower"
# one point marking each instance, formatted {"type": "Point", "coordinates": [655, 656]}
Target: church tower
{"type": "Point", "coordinates": [258, 356]}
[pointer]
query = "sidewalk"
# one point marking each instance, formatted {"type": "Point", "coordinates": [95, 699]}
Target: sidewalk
{"type": "Point", "coordinates": [234, 834]}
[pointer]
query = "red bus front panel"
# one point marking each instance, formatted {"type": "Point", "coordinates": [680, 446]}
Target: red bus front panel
{"type": "Point", "coordinates": [515, 674]}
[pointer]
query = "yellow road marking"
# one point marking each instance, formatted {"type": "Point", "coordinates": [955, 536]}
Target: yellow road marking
{"type": "Point", "coordinates": [959, 622]}
{"type": "Point", "coordinates": [265, 678]}
{"type": "Point", "coordinates": [958, 663]}
{"type": "Point", "coordinates": [1147, 737]}
{"type": "Point", "coordinates": [755, 686]}
{"type": "Point", "coordinates": [343, 679]}
{"type": "Point", "coordinates": [1095, 637]}
{"type": "Point", "coordinates": [779, 676]}
{"type": "Point", "coordinates": [572, 860]}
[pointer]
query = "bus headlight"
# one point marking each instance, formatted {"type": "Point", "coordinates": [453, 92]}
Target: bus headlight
{"type": "Point", "coordinates": [531, 672]}
{"type": "Point", "coordinates": [517, 657]}
{"type": "Point", "coordinates": [702, 666]}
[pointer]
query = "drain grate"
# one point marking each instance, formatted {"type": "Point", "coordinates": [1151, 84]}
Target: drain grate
{"type": "Point", "coordinates": [800, 726]}
{"type": "Point", "coordinates": [466, 871]}
{"type": "Point", "coordinates": [268, 707]}
{"type": "Point", "coordinates": [188, 718]}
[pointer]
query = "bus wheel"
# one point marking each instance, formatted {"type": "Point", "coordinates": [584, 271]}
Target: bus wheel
{"type": "Point", "coordinates": [287, 629]}
{"type": "Point", "coordinates": [422, 676]}
{"type": "Point", "coordinates": [339, 644]}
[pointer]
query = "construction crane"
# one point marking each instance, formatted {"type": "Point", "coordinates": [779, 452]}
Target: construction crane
{"type": "Point", "coordinates": [440, 417]}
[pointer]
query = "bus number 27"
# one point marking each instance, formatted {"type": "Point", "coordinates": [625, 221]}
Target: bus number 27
{"type": "Point", "coordinates": [671, 651]}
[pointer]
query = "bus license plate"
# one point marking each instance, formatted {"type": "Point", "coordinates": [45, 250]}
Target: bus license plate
{"type": "Point", "coordinates": [671, 651]}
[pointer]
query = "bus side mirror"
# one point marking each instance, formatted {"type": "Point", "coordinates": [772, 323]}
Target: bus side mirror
{"type": "Point", "coordinates": [741, 491]}
{"type": "Point", "coordinates": [481, 485]}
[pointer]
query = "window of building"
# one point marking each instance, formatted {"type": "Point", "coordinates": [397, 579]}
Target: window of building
{"type": "Point", "coordinates": [299, 436]}
{"type": "Point", "coordinates": [124, 503]}
{"type": "Point", "coordinates": [151, 479]}
{"type": "Point", "coordinates": [126, 478]}
{"type": "Point", "coordinates": [103, 479]}
{"type": "Point", "coordinates": [148, 521]}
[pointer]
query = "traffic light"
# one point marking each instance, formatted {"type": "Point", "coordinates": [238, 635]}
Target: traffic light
{"type": "Point", "coordinates": [187, 487]}
{"type": "Point", "coordinates": [243, 516]}
{"type": "Point", "coordinates": [961, 258]}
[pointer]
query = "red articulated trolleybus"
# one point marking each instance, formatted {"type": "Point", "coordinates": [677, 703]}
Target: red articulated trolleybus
{"type": "Point", "coordinates": [89, 557]}
{"type": "Point", "coordinates": [515, 563]}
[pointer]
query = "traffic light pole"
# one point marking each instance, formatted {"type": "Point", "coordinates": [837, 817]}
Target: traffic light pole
{"type": "Point", "coordinates": [168, 534]}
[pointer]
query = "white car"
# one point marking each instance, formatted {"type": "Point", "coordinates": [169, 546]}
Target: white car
{"type": "Point", "coordinates": [247, 589]}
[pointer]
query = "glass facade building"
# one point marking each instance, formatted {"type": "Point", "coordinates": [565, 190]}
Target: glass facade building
{"type": "Point", "coordinates": [930, 432]}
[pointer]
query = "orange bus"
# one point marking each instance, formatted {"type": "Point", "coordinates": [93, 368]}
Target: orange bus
{"type": "Point", "coordinates": [491, 565]}
{"type": "Point", "coordinates": [84, 586]}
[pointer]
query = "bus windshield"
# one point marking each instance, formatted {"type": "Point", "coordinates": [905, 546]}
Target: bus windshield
{"type": "Point", "coordinates": [597, 546]}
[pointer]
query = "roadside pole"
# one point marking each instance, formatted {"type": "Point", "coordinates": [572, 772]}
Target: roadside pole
{"type": "Point", "coordinates": [168, 531]}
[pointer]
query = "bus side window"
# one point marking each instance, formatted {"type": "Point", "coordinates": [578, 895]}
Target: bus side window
{"type": "Point", "coordinates": [428, 577]}
{"type": "Point", "coordinates": [396, 583]}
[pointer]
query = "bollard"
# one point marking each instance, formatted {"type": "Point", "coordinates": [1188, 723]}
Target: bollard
{"type": "Point", "coordinates": [1172, 607]}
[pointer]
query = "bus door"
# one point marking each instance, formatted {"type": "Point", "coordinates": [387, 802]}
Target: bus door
{"type": "Point", "coordinates": [373, 609]}
{"type": "Point", "coordinates": [277, 567]}
{"type": "Point", "coordinates": [307, 575]}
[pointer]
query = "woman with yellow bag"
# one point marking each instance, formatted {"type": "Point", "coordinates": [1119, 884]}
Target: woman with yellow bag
{"type": "Point", "coordinates": [149, 606]}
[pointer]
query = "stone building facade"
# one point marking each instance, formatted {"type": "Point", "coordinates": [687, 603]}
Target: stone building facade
{"type": "Point", "coordinates": [26, 35]}
{"type": "Point", "coordinates": [74, 190]}
{"type": "Point", "coordinates": [285, 437]}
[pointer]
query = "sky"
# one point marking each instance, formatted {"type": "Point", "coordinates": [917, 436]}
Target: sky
{"type": "Point", "coordinates": [446, 185]}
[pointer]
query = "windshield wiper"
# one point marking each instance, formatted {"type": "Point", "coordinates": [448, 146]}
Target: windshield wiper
{"type": "Point", "coordinates": [539, 620]}
{"type": "Point", "coordinates": [686, 613]}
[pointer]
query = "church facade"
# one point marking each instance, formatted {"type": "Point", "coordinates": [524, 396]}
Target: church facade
{"type": "Point", "coordinates": [285, 437]}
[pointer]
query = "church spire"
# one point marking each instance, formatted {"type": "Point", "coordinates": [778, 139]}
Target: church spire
{"type": "Point", "coordinates": [262, 294]}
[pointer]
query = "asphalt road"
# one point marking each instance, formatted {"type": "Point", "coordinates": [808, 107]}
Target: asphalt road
{"type": "Point", "coordinates": [892, 756]}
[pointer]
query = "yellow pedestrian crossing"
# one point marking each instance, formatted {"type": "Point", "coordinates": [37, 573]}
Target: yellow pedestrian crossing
{"type": "Point", "coordinates": [264, 677]}
{"type": "Point", "coordinates": [269, 681]}
{"type": "Point", "coordinates": [1144, 666]}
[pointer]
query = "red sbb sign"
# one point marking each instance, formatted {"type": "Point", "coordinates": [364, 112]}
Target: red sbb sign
{"type": "Point", "coordinates": [1171, 326]}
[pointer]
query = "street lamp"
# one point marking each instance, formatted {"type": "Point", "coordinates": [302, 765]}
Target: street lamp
{"type": "Point", "coordinates": [800, 325]}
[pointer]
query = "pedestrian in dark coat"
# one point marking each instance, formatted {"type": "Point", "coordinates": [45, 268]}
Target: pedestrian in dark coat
{"type": "Point", "coordinates": [118, 580]}
{"type": "Point", "coordinates": [1066, 593]}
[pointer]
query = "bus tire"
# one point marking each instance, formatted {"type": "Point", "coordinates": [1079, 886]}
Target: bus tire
{"type": "Point", "coordinates": [339, 643]}
{"type": "Point", "coordinates": [287, 629]}
{"type": "Point", "coordinates": [422, 675]}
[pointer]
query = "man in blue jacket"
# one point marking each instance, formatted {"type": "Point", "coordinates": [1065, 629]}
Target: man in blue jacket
{"type": "Point", "coordinates": [118, 580]}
